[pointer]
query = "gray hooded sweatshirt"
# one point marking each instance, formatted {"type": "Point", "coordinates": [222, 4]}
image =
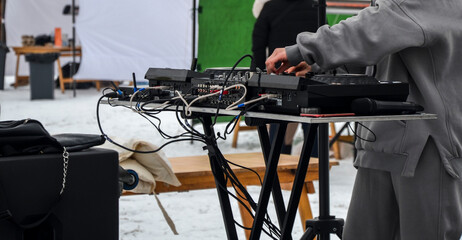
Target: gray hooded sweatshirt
{"type": "Point", "coordinates": [418, 41]}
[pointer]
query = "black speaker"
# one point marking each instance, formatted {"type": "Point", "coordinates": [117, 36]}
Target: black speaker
{"type": "Point", "coordinates": [88, 208]}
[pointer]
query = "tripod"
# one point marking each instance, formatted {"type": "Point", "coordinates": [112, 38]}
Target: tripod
{"type": "Point", "coordinates": [325, 224]}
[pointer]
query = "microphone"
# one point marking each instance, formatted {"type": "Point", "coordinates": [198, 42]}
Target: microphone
{"type": "Point", "coordinates": [367, 106]}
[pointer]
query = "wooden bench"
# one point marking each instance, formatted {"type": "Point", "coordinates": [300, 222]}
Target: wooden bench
{"type": "Point", "coordinates": [238, 129]}
{"type": "Point", "coordinates": [336, 145]}
{"type": "Point", "coordinates": [194, 173]}
{"type": "Point", "coordinates": [333, 131]}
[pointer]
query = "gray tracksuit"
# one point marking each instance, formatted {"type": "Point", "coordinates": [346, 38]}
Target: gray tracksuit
{"type": "Point", "coordinates": [418, 41]}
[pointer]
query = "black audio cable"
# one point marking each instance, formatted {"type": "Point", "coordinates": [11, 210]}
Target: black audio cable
{"type": "Point", "coordinates": [224, 84]}
{"type": "Point", "coordinates": [114, 94]}
{"type": "Point", "coordinates": [192, 134]}
{"type": "Point", "coordinates": [235, 183]}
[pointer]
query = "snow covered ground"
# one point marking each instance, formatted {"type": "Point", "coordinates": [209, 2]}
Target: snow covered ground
{"type": "Point", "coordinates": [196, 214]}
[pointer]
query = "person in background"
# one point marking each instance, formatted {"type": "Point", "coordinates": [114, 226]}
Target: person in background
{"type": "Point", "coordinates": [257, 6]}
{"type": "Point", "coordinates": [409, 180]}
{"type": "Point", "coordinates": [277, 25]}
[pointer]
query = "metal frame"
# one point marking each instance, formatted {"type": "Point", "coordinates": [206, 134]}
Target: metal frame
{"type": "Point", "coordinates": [322, 226]}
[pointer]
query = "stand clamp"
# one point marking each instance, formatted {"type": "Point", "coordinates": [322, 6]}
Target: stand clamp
{"type": "Point", "coordinates": [325, 226]}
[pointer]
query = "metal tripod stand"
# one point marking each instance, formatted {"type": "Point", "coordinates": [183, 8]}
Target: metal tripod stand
{"type": "Point", "coordinates": [325, 224]}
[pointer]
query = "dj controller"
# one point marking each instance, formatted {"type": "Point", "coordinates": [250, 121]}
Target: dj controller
{"type": "Point", "coordinates": [288, 94]}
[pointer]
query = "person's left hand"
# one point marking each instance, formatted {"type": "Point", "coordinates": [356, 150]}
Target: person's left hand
{"type": "Point", "coordinates": [279, 55]}
{"type": "Point", "coordinates": [300, 70]}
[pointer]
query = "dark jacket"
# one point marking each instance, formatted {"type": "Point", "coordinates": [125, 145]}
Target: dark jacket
{"type": "Point", "coordinates": [278, 25]}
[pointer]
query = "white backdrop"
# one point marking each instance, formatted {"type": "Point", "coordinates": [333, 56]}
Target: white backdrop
{"type": "Point", "coordinates": [32, 17]}
{"type": "Point", "coordinates": [120, 37]}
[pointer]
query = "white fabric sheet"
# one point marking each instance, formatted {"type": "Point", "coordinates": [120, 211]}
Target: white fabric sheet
{"type": "Point", "coordinates": [119, 37]}
{"type": "Point", "coordinates": [32, 17]}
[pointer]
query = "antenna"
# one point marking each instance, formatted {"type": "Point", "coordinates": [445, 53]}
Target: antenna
{"type": "Point", "coordinates": [134, 82]}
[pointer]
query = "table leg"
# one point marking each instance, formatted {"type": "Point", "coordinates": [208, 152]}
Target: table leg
{"type": "Point", "coordinates": [19, 80]}
{"type": "Point", "coordinates": [247, 218]}
{"type": "Point", "coordinates": [60, 74]}
{"type": "Point", "coordinates": [276, 190]}
{"type": "Point", "coordinates": [268, 181]}
{"type": "Point", "coordinates": [299, 181]}
{"type": "Point", "coordinates": [220, 181]}
{"type": "Point", "coordinates": [16, 76]}
{"type": "Point", "coordinates": [98, 85]}
{"type": "Point", "coordinates": [304, 207]}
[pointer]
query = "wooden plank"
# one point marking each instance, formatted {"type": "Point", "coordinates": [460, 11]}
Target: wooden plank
{"type": "Point", "coordinates": [43, 49]}
{"type": "Point", "coordinates": [199, 165]}
{"type": "Point", "coordinates": [194, 171]}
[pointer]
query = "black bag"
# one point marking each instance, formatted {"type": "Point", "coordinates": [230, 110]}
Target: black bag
{"type": "Point", "coordinates": [25, 137]}
{"type": "Point", "coordinates": [28, 136]}
{"type": "Point", "coordinates": [43, 39]}
{"type": "Point", "coordinates": [78, 141]}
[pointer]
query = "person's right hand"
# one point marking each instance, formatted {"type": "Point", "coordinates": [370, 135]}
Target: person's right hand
{"type": "Point", "coordinates": [300, 70]}
{"type": "Point", "coordinates": [279, 55]}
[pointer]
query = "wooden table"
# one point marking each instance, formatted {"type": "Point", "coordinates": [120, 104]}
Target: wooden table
{"type": "Point", "coordinates": [194, 173]}
{"type": "Point", "coordinates": [63, 51]}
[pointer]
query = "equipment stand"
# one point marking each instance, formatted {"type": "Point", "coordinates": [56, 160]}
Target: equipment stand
{"type": "Point", "coordinates": [271, 184]}
{"type": "Point", "coordinates": [220, 181]}
{"type": "Point", "coordinates": [271, 153]}
{"type": "Point", "coordinates": [322, 226]}
{"type": "Point", "coordinates": [325, 224]}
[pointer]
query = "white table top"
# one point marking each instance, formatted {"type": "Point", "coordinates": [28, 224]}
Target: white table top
{"type": "Point", "coordinates": [293, 118]}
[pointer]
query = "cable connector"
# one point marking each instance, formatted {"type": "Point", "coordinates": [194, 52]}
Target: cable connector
{"type": "Point", "coordinates": [221, 95]}
{"type": "Point", "coordinates": [160, 87]}
{"type": "Point", "coordinates": [112, 94]}
{"type": "Point", "coordinates": [270, 95]}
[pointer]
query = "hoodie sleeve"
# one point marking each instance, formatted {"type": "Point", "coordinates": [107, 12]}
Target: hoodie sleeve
{"type": "Point", "coordinates": [364, 39]}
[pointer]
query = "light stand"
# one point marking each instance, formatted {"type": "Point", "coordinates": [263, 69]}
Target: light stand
{"type": "Point", "coordinates": [194, 16]}
{"type": "Point", "coordinates": [325, 224]}
{"type": "Point", "coordinates": [2, 26]}
{"type": "Point", "coordinates": [74, 85]}
{"type": "Point", "coordinates": [72, 9]}
{"type": "Point", "coordinates": [3, 48]}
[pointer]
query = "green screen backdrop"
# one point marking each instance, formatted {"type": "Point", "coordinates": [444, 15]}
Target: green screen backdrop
{"type": "Point", "coordinates": [225, 32]}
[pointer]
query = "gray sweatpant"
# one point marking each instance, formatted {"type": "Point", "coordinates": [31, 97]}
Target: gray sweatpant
{"type": "Point", "coordinates": [387, 206]}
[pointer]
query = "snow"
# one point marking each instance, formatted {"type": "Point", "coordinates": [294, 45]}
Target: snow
{"type": "Point", "coordinates": [196, 214]}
